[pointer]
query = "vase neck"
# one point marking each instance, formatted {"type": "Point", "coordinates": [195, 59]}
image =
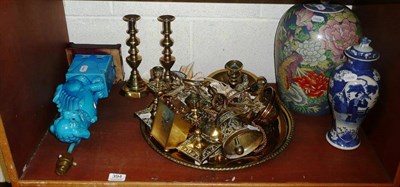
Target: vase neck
{"type": "Point", "coordinates": [359, 64]}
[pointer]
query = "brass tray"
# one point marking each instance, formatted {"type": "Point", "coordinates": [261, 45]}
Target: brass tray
{"type": "Point", "coordinates": [279, 133]}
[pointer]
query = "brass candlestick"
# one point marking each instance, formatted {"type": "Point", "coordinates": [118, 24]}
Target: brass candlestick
{"type": "Point", "coordinates": [157, 85]}
{"type": "Point", "coordinates": [167, 61]}
{"type": "Point", "coordinates": [235, 75]}
{"type": "Point", "coordinates": [135, 87]}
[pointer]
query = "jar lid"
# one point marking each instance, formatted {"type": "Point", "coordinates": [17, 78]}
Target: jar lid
{"type": "Point", "coordinates": [362, 51]}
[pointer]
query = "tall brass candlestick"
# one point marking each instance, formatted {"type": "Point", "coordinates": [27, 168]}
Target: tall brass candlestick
{"type": "Point", "coordinates": [167, 61]}
{"type": "Point", "coordinates": [135, 86]}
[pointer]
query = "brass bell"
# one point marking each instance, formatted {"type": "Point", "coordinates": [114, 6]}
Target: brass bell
{"type": "Point", "coordinates": [238, 139]}
{"type": "Point", "coordinates": [241, 143]}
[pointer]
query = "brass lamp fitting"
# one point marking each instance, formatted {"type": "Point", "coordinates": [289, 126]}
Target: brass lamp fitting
{"type": "Point", "coordinates": [64, 163]}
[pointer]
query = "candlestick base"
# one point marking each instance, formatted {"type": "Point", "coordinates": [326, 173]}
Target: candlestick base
{"type": "Point", "coordinates": [133, 92]}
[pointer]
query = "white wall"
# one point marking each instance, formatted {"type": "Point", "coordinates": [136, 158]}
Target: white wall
{"type": "Point", "coordinates": [2, 179]}
{"type": "Point", "coordinates": [2, 166]}
{"type": "Point", "coordinates": [209, 34]}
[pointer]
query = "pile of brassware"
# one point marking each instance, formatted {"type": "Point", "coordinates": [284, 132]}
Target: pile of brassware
{"type": "Point", "coordinates": [229, 120]}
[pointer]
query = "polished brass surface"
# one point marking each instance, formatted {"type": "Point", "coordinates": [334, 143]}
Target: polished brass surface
{"type": "Point", "coordinates": [241, 142]}
{"type": "Point", "coordinates": [135, 86]}
{"type": "Point", "coordinates": [167, 60]}
{"type": "Point", "coordinates": [264, 94]}
{"type": "Point", "coordinates": [193, 102]}
{"type": "Point", "coordinates": [234, 72]}
{"type": "Point", "coordinates": [238, 139]}
{"type": "Point", "coordinates": [157, 85]}
{"type": "Point", "coordinates": [268, 111]}
{"type": "Point", "coordinates": [199, 147]}
{"type": "Point", "coordinates": [169, 129]}
{"type": "Point", "coordinates": [64, 163]}
{"type": "Point", "coordinates": [213, 131]}
{"type": "Point", "coordinates": [222, 75]}
{"type": "Point", "coordinates": [279, 134]}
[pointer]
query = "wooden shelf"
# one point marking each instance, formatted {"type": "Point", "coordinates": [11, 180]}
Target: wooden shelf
{"type": "Point", "coordinates": [117, 146]}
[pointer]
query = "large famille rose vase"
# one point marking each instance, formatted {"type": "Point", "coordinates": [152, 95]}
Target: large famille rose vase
{"type": "Point", "coordinates": [309, 43]}
{"type": "Point", "coordinates": [353, 91]}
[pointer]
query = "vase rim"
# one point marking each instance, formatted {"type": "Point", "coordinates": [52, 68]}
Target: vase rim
{"type": "Point", "coordinates": [324, 8]}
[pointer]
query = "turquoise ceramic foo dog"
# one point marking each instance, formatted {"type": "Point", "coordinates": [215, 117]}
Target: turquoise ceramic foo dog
{"type": "Point", "coordinates": [89, 79]}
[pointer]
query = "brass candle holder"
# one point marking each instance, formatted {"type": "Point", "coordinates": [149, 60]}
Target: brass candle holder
{"type": "Point", "coordinates": [167, 60]}
{"type": "Point", "coordinates": [135, 86]}
{"type": "Point", "coordinates": [157, 85]}
{"type": "Point", "coordinates": [235, 75]}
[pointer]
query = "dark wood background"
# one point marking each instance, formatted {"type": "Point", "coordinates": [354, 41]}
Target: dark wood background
{"type": "Point", "coordinates": [33, 36]}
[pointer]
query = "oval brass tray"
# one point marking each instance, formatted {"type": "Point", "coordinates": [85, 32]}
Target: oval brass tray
{"type": "Point", "coordinates": [279, 134]}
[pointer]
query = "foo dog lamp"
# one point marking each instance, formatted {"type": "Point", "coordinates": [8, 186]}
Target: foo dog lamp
{"type": "Point", "coordinates": [89, 78]}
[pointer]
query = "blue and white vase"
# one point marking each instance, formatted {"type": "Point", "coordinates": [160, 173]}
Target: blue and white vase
{"type": "Point", "coordinates": [354, 90]}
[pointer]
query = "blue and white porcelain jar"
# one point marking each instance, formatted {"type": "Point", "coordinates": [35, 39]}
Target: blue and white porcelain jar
{"type": "Point", "coordinates": [354, 90]}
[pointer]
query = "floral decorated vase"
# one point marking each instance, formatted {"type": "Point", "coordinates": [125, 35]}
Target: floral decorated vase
{"type": "Point", "coordinates": [309, 44]}
{"type": "Point", "coordinates": [353, 91]}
